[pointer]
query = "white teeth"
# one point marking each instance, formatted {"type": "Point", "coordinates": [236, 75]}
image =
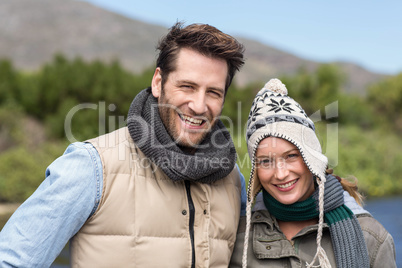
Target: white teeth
{"type": "Point", "coordinates": [191, 121]}
{"type": "Point", "coordinates": [283, 186]}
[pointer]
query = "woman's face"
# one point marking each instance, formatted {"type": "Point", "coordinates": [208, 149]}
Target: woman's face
{"type": "Point", "coordinates": [282, 171]}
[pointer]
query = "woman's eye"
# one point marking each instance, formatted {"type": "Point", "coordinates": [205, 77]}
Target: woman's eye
{"type": "Point", "coordinates": [264, 163]}
{"type": "Point", "coordinates": [292, 156]}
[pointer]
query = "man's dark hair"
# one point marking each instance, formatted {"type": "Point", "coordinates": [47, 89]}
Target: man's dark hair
{"type": "Point", "coordinates": [204, 39]}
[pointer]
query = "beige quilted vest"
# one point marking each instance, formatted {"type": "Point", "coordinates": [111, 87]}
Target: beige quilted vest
{"type": "Point", "coordinates": [143, 216]}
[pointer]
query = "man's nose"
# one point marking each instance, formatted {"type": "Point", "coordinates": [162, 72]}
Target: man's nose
{"type": "Point", "coordinates": [198, 103]}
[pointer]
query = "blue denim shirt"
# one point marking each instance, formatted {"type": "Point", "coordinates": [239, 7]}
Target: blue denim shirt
{"type": "Point", "coordinates": [40, 228]}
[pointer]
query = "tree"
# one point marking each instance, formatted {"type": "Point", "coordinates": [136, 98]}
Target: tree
{"type": "Point", "coordinates": [8, 82]}
{"type": "Point", "coordinates": [386, 98]}
{"type": "Point", "coordinates": [314, 91]}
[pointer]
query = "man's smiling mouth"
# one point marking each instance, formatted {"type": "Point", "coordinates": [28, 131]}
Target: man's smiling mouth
{"type": "Point", "coordinates": [191, 121]}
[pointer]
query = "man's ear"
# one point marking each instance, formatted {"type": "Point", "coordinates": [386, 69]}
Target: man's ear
{"type": "Point", "coordinates": [157, 83]}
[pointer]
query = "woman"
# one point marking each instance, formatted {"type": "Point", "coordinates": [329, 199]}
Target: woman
{"type": "Point", "coordinates": [305, 217]}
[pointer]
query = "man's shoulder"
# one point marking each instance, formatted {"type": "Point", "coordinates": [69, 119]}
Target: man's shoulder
{"type": "Point", "coordinates": [235, 176]}
{"type": "Point", "coordinates": [111, 139]}
{"type": "Point", "coordinates": [116, 148]}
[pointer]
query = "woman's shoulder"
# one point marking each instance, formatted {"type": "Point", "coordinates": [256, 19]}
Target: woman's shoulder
{"type": "Point", "coordinates": [372, 226]}
{"type": "Point", "coordinates": [379, 241]}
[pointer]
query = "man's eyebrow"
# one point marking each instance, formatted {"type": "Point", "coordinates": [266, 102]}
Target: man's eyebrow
{"type": "Point", "coordinates": [186, 82]}
{"type": "Point", "coordinates": [222, 90]}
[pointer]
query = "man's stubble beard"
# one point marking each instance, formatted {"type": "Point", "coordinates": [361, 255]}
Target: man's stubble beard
{"type": "Point", "coordinates": [168, 115]}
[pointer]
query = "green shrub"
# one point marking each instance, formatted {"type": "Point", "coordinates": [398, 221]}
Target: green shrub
{"type": "Point", "coordinates": [373, 157]}
{"type": "Point", "coordinates": [21, 170]}
{"type": "Point", "coordinates": [11, 132]}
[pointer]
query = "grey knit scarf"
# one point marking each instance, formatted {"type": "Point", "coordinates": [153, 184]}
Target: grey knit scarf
{"type": "Point", "coordinates": [214, 158]}
{"type": "Point", "coordinates": [346, 234]}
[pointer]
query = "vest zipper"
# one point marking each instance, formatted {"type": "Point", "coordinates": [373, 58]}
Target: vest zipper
{"type": "Point", "coordinates": [191, 223]}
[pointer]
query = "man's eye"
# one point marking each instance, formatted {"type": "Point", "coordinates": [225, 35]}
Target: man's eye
{"type": "Point", "coordinates": [216, 93]}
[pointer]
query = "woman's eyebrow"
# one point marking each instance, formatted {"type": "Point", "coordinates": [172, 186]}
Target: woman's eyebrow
{"type": "Point", "coordinates": [270, 155]}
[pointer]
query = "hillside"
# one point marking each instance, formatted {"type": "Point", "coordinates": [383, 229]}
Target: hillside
{"type": "Point", "coordinates": [31, 32]}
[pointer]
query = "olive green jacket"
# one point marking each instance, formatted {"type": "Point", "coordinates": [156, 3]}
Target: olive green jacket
{"type": "Point", "coordinates": [268, 246]}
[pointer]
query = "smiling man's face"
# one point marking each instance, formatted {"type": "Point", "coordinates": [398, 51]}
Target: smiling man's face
{"type": "Point", "coordinates": [192, 98]}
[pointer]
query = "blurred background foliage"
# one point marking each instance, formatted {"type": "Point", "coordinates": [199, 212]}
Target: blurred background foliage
{"type": "Point", "coordinates": [35, 106]}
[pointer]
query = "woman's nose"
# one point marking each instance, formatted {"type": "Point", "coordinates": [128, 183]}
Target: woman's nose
{"type": "Point", "coordinates": [281, 170]}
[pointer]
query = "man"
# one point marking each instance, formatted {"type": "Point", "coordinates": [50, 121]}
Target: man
{"type": "Point", "coordinates": [163, 191]}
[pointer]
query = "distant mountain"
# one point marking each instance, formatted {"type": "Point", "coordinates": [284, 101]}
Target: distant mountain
{"type": "Point", "coordinates": [32, 31]}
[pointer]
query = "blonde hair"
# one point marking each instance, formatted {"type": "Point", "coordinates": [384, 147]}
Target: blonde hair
{"type": "Point", "coordinates": [349, 185]}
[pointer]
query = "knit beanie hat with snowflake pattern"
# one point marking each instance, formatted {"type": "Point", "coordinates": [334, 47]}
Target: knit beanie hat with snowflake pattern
{"type": "Point", "coordinates": [274, 114]}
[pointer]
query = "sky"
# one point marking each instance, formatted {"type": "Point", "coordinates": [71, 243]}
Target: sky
{"type": "Point", "coordinates": [368, 33]}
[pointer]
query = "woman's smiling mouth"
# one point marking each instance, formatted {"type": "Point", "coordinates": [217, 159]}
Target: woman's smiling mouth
{"type": "Point", "coordinates": [285, 186]}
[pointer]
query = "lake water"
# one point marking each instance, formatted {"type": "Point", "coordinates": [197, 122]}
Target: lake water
{"type": "Point", "coordinates": [387, 211]}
